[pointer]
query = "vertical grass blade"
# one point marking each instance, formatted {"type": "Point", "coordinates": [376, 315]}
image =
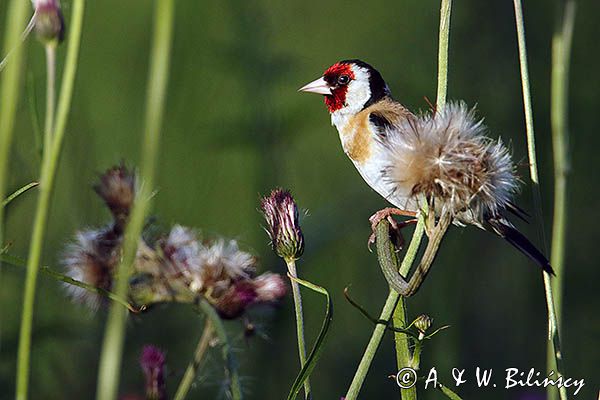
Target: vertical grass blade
{"type": "Point", "coordinates": [114, 335]}
{"type": "Point", "coordinates": [537, 198]}
{"type": "Point", "coordinates": [48, 173]}
{"type": "Point", "coordinates": [561, 52]}
{"type": "Point", "coordinates": [10, 79]}
{"type": "Point", "coordinates": [444, 39]}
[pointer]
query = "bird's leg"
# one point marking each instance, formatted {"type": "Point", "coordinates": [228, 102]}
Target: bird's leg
{"type": "Point", "coordinates": [396, 234]}
{"type": "Point", "coordinates": [390, 271]}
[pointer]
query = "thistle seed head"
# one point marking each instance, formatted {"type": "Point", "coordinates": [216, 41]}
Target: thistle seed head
{"type": "Point", "coordinates": [270, 287]}
{"type": "Point", "coordinates": [91, 259]}
{"type": "Point", "coordinates": [221, 263]}
{"type": "Point", "coordinates": [449, 158]}
{"type": "Point", "coordinates": [181, 250]}
{"type": "Point", "coordinates": [281, 214]}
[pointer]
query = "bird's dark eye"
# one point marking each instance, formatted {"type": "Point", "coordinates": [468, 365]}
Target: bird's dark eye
{"type": "Point", "coordinates": [343, 79]}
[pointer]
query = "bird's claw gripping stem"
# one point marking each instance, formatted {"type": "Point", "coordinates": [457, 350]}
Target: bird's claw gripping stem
{"type": "Point", "coordinates": [388, 262]}
{"type": "Point", "coordinates": [387, 213]}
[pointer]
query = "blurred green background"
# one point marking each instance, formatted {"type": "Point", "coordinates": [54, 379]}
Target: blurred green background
{"type": "Point", "coordinates": [235, 127]}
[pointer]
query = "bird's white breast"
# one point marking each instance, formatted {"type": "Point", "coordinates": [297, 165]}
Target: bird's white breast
{"type": "Point", "coordinates": [373, 166]}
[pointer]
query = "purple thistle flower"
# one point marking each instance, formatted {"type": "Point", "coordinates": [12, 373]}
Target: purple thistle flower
{"type": "Point", "coordinates": [152, 362]}
{"type": "Point", "coordinates": [281, 213]}
{"type": "Point", "coordinates": [49, 22]}
{"type": "Point", "coordinates": [266, 288]}
{"type": "Point", "coordinates": [236, 299]}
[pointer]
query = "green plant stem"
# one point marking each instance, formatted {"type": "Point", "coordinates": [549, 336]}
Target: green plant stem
{"type": "Point", "coordinates": [230, 362]}
{"type": "Point", "coordinates": [114, 335]}
{"type": "Point", "coordinates": [449, 393]}
{"type": "Point", "coordinates": [561, 52]}
{"type": "Point", "coordinates": [291, 265]}
{"type": "Point", "coordinates": [403, 357]}
{"type": "Point", "coordinates": [192, 369]}
{"type": "Point", "coordinates": [16, 18]}
{"type": "Point", "coordinates": [17, 193]}
{"type": "Point", "coordinates": [19, 262]}
{"type": "Point", "coordinates": [48, 174]}
{"type": "Point", "coordinates": [388, 308]}
{"type": "Point", "coordinates": [50, 92]}
{"type": "Point", "coordinates": [552, 317]}
{"type": "Point", "coordinates": [415, 361]}
{"type": "Point", "coordinates": [444, 38]}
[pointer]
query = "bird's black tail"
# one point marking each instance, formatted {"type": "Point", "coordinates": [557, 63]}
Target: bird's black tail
{"type": "Point", "coordinates": [504, 228]}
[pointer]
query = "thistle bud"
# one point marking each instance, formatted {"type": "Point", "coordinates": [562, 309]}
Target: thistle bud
{"type": "Point", "coordinates": [422, 323]}
{"type": "Point", "coordinates": [152, 362]}
{"type": "Point", "coordinates": [117, 189]}
{"type": "Point", "coordinates": [49, 23]}
{"type": "Point", "coordinates": [281, 214]}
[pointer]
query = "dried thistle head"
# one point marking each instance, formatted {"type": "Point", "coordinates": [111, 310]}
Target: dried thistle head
{"type": "Point", "coordinates": [447, 157]}
{"type": "Point", "coordinates": [152, 362]}
{"type": "Point", "coordinates": [117, 188]}
{"type": "Point", "coordinates": [49, 24]}
{"type": "Point", "coordinates": [281, 214]}
{"type": "Point", "coordinates": [221, 263]}
{"type": "Point", "coordinates": [181, 250]}
{"type": "Point", "coordinates": [91, 259]}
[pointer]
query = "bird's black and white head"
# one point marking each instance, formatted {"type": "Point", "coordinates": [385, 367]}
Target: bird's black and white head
{"type": "Point", "coordinates": [349, 86]}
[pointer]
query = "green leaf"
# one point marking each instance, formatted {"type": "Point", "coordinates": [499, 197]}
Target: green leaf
{"type": "Point", "coordinates": [19, 192]}
{"type": "Point", "coordinates": [315, 353]}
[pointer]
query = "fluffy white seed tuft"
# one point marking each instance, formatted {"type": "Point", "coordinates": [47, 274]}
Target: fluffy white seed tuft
{"type": "Point", "coordinates": [447, 156]}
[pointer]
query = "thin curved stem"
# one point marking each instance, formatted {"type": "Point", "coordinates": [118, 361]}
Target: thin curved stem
{"type": "Point", "coordinates": [291, 265]}
{"type": "Point", "coordinates": [192, 368]}
{"type": "Point", "coordinates": [228, 357]}
{"type": "Point", "coordinates": [114, 336]}
{"type": "Point", "coordinates": [48, 174]}
{"type": "Point", "coordinates": [19, 262]}
{"type": "Point", "coordinates": [552, 317]}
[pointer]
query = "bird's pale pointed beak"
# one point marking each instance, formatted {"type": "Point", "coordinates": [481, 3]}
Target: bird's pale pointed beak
{"type": "Point", "coordinates": [318, 86]}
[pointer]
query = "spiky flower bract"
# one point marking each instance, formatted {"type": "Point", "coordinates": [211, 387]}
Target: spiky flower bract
{"type": "Point", "coordinates": [448, 158]}
{"type": "Point", "coordinates": [281, 213]}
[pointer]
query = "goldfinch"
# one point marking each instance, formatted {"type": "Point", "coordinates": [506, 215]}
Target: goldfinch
{"type": "Point", "coordinates": [443, 156]}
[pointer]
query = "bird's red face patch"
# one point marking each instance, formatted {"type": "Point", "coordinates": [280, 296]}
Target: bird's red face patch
{"type": "Point", "coordinates": [337, 77]}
